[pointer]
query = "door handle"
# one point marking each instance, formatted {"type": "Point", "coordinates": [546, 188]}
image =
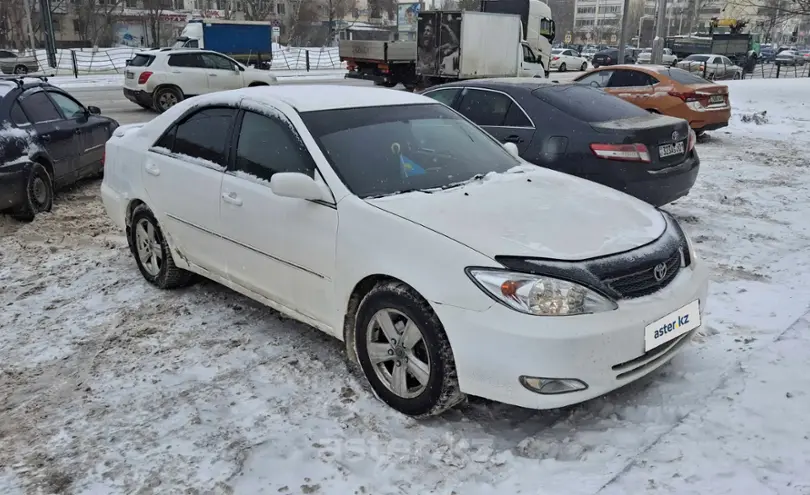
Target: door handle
{"type": "Point", "coordinates": [514, 138]}
{"type": "Point", "coordinates": [212, 75]}
{"type": "Point", "coordinates": [232, 198]}
{"type": "Point", "coordinates": [176, 72]}
{"type": "Point", "coordinates": [152, 169]}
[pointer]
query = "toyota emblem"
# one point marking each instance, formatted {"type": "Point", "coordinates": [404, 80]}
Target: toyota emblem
{"type": "Point", "coordinates": [675, 137]}
{"type": "Point", "coordinates": [660, 271]}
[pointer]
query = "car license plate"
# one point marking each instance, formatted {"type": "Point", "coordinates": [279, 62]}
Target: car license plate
{"type": "Point", "coordinates": [717, 99]}
{"type": "Point", "coordinates": [130, 75]}
{"type": "Point", "coordinates": [672, 326]}
{"type": "Point", "coordinates": [666, 150]}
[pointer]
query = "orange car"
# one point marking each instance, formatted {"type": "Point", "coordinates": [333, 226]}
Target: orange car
{"type": "Point", "coordinates": [666, 90]}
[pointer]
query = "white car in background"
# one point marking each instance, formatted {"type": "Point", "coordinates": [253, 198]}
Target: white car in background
{"type": "Point", "coordinates": [669, 58]}
{"type": "Point", "coordinates": [387, 220]}
{"type": "Point", "coordinates": [563, 59]}
{"type": "Point", "coordinates": [159, 79]}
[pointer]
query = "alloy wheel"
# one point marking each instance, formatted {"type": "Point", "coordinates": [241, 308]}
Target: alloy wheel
{"type": "Point", "coordinates": [398, 353]}
{"type": "Point", "coordinates": [150, 251]}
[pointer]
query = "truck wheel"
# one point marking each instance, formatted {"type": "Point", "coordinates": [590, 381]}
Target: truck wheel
{"type": "Point", "coordinates": [389, 84]}
{"type": "Point", "coordinates": [165, 98]}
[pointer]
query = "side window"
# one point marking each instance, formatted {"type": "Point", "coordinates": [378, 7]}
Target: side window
{"type": "Point", "coordinates": [39, 108]}
{"type": "Point", "coordinates": [269, 145]}
{"type": "Point", "coordinates": [70, 107]}
{"type": "Point", "coordinates": [445, 96]}
{"type": "Point", "coordinates": [193, 44]}
{"type": "Point", "coordinates": [17, 115]}
{"type": "Point", "coordinates": [216, 62]}
{"type": "Point", "coordinates": [727, 61]}
{"type": "Point", "coordinates": [629, 78]}
{"type": "Point", "coordinates": [485, 108]}
{"type": "Point", "coordinates": [598, 79]}
{"type": "Point", "coordinates": [515, 117]}
{"type": "Point", "coordinates": [167, 140]}
{"type": "Point", "coordinates": [205, 135]}
{"type": "Point", "coordinates": [186, 60]}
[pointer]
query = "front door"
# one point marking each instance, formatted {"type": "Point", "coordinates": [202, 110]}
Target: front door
{"type": "Point", "coordinates": [91, 134]}
{"type": "Point", "coordinates": [223, 74]}
{"type": "Point", "coordinates": [531, 66]}
{"type": "Point", "coordinates": [285, 246]}
{"type": "Point", "coordinates": [182, 175]}
{"type": "Point", "coordinates": [499, 115]}
{"type": "Point", "coordinates": [57, 135]}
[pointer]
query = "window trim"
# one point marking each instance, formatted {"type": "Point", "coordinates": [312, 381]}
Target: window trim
{"type": "Point", "coordinates": [479, 88]}
{"type": "Point", "coordinates": [16, 101]}
{"type": "Point", "coordinates": [153, 148]}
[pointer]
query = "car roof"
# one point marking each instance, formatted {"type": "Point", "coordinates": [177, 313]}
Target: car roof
{"type": "Point", "coordinates": [7, 84]}
{"type": "Point", "coordinates": [312, 97]}
{"type": "Point", "coordinates": [172, 51]}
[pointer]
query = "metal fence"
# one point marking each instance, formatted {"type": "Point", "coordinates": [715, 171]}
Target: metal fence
{"type": "Point", "coordinates": [87, 61]}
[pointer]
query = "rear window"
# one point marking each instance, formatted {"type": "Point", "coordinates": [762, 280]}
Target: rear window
{"type": "Point", "coordinates": [587, 104]}
{"type": "Point", "coordinates": [698, 58]}
{"type": "Point", "coordinates": [684, 77]}
{"type": "Point", "coordinates": [141, 60]}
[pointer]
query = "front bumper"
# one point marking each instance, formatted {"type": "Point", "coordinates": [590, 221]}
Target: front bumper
{"type": "Point", "coordinates": [13, 180]}
{"type": "Point", "coordinates": [139, 97]}
{"type": "Point", "coordinates": [495, 347]}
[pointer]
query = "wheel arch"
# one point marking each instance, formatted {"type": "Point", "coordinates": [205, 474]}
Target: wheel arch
{"type": "Point", "coordinates": [43, 159]}
{"type": "Point", "coordinates": [257, 83]}
{"type": "Point", "coordinates": [167, 86]}
{"type": "Point", "coordinates": [361, 288]}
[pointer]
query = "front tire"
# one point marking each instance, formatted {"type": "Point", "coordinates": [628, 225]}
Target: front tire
{"type": "Point", "coordinates": [165, 98]}
{"type": "Point", "coordinates": [584, 66]}
{"type": "Point", "coordinates": [38, 194]}
{"type": "Point", "coordinates": [404, 352]}
{"type": "Point", "coordinates": [152, 253]}
{"type": "Point", "coordinates": [21, 70]}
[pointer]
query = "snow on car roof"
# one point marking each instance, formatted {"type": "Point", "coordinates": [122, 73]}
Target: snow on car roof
{"type": "Point", "coordinates": [312, 97]}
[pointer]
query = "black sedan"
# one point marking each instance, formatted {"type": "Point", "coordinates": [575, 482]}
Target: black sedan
{"type": "Point", "coordinates": [610, 57]}
{"type": "Point", "coordinates": [48, 140]}
{"type": "Point", "coordinates": [582, 131]}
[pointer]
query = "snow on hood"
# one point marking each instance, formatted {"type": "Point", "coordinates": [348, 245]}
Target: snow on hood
{"type": "Point", "coordinates": [533, 212]}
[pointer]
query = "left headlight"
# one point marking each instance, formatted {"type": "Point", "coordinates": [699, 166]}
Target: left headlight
{"type": "Point", "coordinates": [690, 247]}
{"type": "Point", "coordinates": [540, 295]}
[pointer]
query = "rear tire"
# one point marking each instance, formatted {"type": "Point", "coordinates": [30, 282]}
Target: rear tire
{"type": "Point", "coordinates": [165, 98]}
{"type": "Point", "coordinates": [21, 70]}
{"type": "Point", "coordinates": [152, 253]}
{"type": "Point", "coordinates": [413, 370]}
{"type": "Point", "coordinates": [562, 67]}
{"type": "Point", "coordinates": [38, 194]}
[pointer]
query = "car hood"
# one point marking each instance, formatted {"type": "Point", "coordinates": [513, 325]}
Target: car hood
{"type": "Point", "coordinates": [532, 212]}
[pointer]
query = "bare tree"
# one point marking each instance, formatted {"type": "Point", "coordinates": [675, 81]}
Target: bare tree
{"type": "Point", "coordinates": [337, 10]}
{"type": "Point", "coordinates": [153, 11]}
{"type": "Point", "coordinates": [258, 10]}
{"type": "Point", "coordinates": [95, 17]}
{"type": "Point", "coordinates": [298, 21]}
{"type": "Point", "coordinates": [469, 4]}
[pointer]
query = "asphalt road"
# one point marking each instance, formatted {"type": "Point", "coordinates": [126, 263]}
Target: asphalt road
{"type": "Point", "coordinates": [111, 101]}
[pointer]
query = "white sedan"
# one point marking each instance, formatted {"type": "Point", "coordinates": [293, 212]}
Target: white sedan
{"type": "Point", "coordinates": [446, 264]}
{"type": "Point", "coordinates": [564, 59]}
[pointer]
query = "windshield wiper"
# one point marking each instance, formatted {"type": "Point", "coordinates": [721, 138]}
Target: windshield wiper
{"type": "Point", "coordinates": [404, 191]}
{"type": "Point", "coordinates": [463, 183]}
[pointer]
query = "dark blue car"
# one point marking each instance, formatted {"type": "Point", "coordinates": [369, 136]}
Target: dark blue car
{"type": "Point", "coordinates": [48, 140]}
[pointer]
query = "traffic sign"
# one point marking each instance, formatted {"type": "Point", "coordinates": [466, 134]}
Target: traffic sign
{"type": "Point", "coordinates": [568, 37]}
{"type": "Point", "coordinates": [613, 39]}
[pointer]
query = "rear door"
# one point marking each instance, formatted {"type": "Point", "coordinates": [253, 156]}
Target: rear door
{"type": "Point", "coordinates": [633, 86]}
{"type": "Point", "coordinates": [90, 132]}
{"type": "Point", "coordinates": [57, 135]}
{"type": "Point", "coordinates": [188, 70]}
{"type": "Point", "coordinates": [498, 114]}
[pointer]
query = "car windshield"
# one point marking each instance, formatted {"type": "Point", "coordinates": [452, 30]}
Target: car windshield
{"type": "Point", "coordinates": [683, 77]}
{"type": "Point", "coordinates": [379, 151]}
{"type": "Point", "coordinates": [697, 58]}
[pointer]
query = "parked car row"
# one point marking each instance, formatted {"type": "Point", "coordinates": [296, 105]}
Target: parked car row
{"type": "Point", "coordinates": [530, 286]}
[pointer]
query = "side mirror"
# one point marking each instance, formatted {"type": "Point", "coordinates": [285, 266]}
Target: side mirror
{"type": "Point", "coordinates": [93, 110]}
{"type": "Point", "coordinates": [128, 61]}
{"type": "Point", "coordinates": [512, 149]}
{"type": "Point", "coordinates": [296, 185]}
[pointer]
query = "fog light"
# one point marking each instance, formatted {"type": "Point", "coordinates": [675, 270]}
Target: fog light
{"type": "Point", "coordinates": [552, 386]}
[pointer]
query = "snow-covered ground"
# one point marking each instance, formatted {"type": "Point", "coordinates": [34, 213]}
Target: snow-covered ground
{"type": "Point", "coordinates": [108, 385]}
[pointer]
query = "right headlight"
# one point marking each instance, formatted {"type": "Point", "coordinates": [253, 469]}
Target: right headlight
{"type": "Point", "coordinates": [540, 295]}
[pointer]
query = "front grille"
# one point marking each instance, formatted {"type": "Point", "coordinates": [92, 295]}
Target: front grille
{"type": "Point", "coordinates": [642, 281]}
